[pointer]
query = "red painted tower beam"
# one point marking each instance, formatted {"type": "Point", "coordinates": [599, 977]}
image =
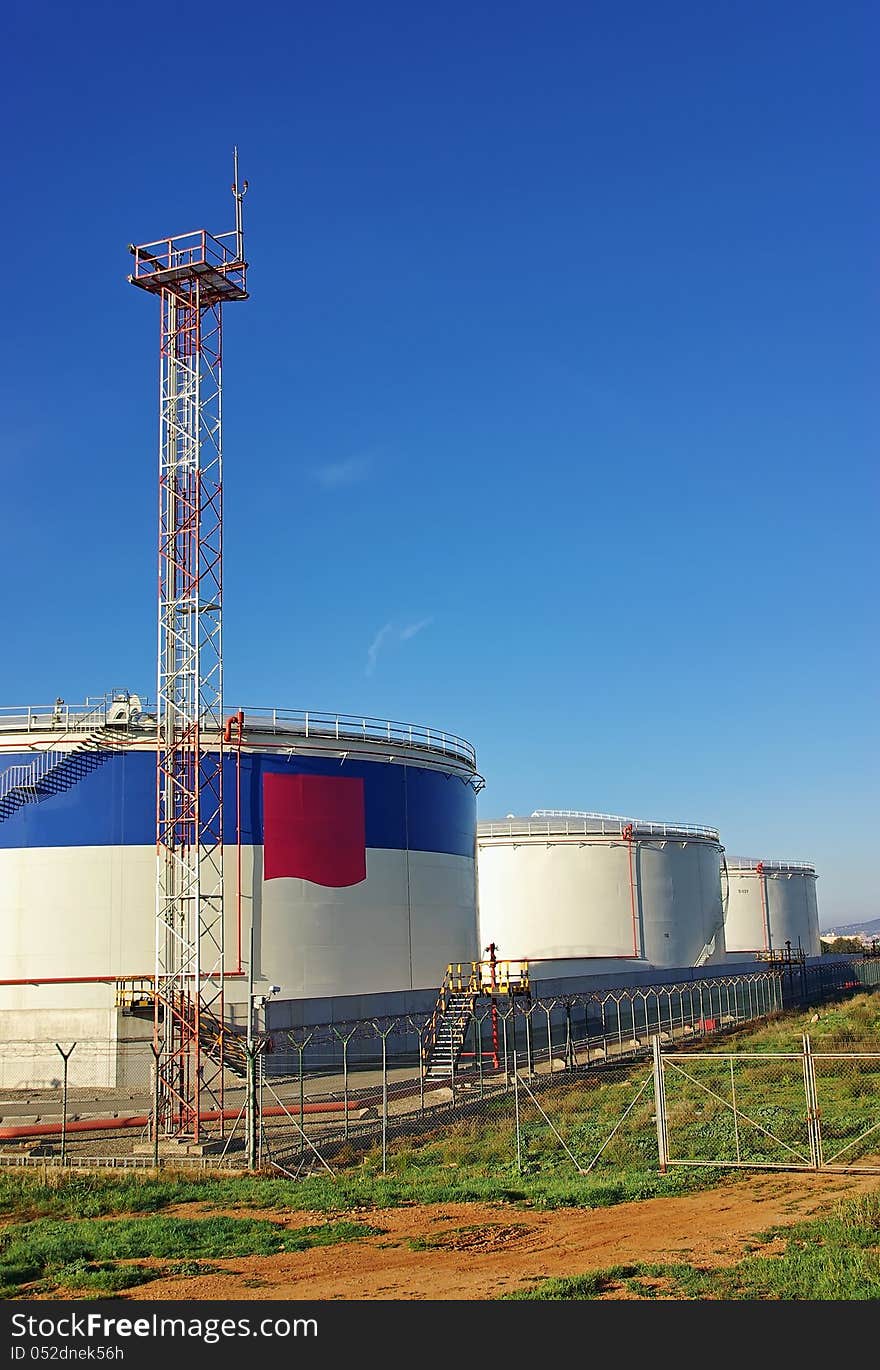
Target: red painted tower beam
{"type": "Point", "coordinates": [193, 275]}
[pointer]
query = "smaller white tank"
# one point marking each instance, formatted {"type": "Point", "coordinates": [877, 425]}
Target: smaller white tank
{"type": "Point", "coordinates": [768, 904]}
{"type": "Point", "coordinates": [580, 893]}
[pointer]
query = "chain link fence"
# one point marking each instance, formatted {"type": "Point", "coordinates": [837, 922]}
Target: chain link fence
{"type": "Point", "coordinates": [803, 1110]}
{"type": "Point", "coordinates": [566, 1073]}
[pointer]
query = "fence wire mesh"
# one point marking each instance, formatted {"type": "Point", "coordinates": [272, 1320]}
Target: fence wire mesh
{"type": "Point", "coordinates": [847, 1089]}
{"type": "Point", "coordinates": [327, 1096]}
{"type": "Point", "coordinates": [789, 1110]}
{"type": "Point", "coordinates": [723, 1109]}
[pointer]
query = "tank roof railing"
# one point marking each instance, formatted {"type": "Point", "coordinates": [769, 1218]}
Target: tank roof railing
{"type": "Point", "coordinates": [63, 717]}
{"type": "Point", "coordinates": [361, 728]}
{"type": "Point", "coordinates": [579, 823]}
{"type": "Point", "coordinates": [305, 722]}
{"type": "Point", "coordinates": [751, 863]}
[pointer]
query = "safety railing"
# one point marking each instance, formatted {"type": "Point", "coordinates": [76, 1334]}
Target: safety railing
{"type": "Point", "coordinates": [60, 717]}
{"type": "Point", "coordinates": [135, 992]}
{"type": "Point", "coordinates": [746, 863]}
{"type": "Point", "coordinates": [577, 823]}
{"type": "Point", "coordinates": [473, 978]}
{"type": "Point", "coordinates": [308, 723]}
{"type": "Point", "coordinates": [358, 727]}
{"type": "Point", "coordinates": [28, 776]}
{"type": "Point", "coordinates": [86, 730]}
{"type": "Point", "coordinates": [183, 252]}
{"type": "Point", "coordinates": [783, 956]}
{"type": "Point", "coordinates": [488, 977]}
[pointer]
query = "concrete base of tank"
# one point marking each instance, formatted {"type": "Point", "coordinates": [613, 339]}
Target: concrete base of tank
{"type": "Point", "coordinates": [296, 1016]}
{"type": "Point", "coordinates": [343, 1008]}
{"type": "Point", "coordinates": [547, 982]}
{"type": "Point", "coordinates": [547, 978]}
{"type": "Point", "coordinates": [107, 1049]}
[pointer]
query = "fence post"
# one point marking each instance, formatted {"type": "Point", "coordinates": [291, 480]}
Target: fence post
{"type": "Point", "coordinates": [814, 1125]}
{"type": "Point", "coordinates": [477, 1025]}
{"type": "Point", "coordinates": [65, 1056]}
{"type": "Point", "coordinates": [258, 1110]}
{"type": "Point", "coordinates": [251, 1109]}
{"type": "Point", "coordinates": [250, 1082]}
{"type": "Point", "coordinates": [516, 1113]}
{"type": "Point", "coordinates": [302, 1112]}
{"type": "Point", "coordinates": [660, 1106]}
{"type": "Point", "coordinates": [385, 1102]}
{"type": "Point", "coordinates": [157, 1052]}
{"type": "Point", "coordinates": [344, 1081]}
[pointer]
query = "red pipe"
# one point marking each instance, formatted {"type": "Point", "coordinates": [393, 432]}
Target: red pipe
{"type": "Point", "coordinates": [491, 949]}
{"type": "Point", "coordinates": [628, 834]}
{"type": "Point", "coordinates": [54, 1129]}
{"type": "Point", "coordinates": [74, 979]}
{"type": "Point", "coordinates": [236, 720]}
{"type": "Point", "coordinates": [10, 1134]}
{"type": "Point", "coordinates": [98, 979]}
{"type": "Point", "coordinates": [765, 913]}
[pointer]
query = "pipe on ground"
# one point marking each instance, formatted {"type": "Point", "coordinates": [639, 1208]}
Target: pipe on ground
{"type": "Point", "coordinates": [25, 1130]}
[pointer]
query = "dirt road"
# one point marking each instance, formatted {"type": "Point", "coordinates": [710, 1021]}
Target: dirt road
{"type": "Point", "coordinates": [478, 1251]}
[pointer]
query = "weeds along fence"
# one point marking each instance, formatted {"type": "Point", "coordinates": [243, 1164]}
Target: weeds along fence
{"type": "Point", "coordinates": [322, 1096]}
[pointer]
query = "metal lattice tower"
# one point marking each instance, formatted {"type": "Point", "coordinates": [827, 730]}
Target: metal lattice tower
{"type": "Point", "coordinates": [193, 275]}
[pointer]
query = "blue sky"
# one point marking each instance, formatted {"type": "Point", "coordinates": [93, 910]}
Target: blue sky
{"type": "Point", "coordinates": [551, 420]}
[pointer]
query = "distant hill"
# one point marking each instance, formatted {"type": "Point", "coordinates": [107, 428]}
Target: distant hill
{"type": "Point", "coordinates": [870, 928]}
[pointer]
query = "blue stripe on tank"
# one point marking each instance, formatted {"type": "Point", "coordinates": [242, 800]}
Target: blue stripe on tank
{"type": "Point", "coordinates": [406, 807]}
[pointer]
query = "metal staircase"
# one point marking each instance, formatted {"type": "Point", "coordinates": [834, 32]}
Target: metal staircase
{"type": "Point", "coordinates": [224, 1046]}
{"type": "Point", "coordinates": [53, 771]}
{"type": "Point", "coordinates": [709, 947]}
{"type": "Point", "coordinates": [464, 983]}
{"type": "Point", "coordinates": [450, 1030]}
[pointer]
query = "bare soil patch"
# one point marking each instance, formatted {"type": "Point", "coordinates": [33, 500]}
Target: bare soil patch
{"type": "Point", "coordinates": [478, 1251]}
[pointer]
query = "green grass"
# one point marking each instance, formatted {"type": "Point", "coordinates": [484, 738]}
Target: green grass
{"type": "Point", "coordinates": [832, 1258]}
{"type": "Point", "coordinates": [591, 1286]}
{"type": "Point", "coordinates": [83, 1253]}
{"type": "Point", "coordinates": [771, 1092]}
{"type": "Point", "coordinates": [474, 1160]}
{"type": "Point", "coordinates": [431, 1182]}
{"type": "Point", "coordinates": [847, 1024]}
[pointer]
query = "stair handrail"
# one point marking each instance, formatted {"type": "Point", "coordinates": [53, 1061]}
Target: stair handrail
{"type": "Point", "coordinates": [504, 977]}
{"type": "Point", "coordinates": [471, 977]}
{"type": "Point", "coordinates": [23, 775]}
{"type": "Point", "coordinates": [709, 947]}
{"type": "Point", "coordinates": [432, 1027]}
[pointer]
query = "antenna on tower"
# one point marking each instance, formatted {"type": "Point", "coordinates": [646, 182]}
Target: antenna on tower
{"type": "Point", "coordinates": [239, 196]}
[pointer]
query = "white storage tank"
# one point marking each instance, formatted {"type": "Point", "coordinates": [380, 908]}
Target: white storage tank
{"type": "Point", "coordinates": [579, 893]}
{"type": "Point", "coordinates": [348, 843]}
{"type": "Point", "coordinates": [769, 904]}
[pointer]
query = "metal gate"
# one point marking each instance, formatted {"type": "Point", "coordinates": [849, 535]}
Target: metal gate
{"type": "Point", "coordinates": [801, 1110]}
